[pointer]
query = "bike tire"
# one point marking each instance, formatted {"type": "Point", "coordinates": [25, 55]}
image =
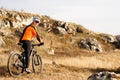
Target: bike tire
{"type": "Point", "coordinates": [37, 64]}
{"type": "Point", "coordinates": [14, 65]}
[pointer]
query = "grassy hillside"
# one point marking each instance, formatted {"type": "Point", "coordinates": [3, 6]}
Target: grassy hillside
{"type": "Point", "coordinates": [69, 61]}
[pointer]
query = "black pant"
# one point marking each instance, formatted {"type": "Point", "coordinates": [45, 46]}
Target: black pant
{"type": "Point", "coordinates": [27, 48]}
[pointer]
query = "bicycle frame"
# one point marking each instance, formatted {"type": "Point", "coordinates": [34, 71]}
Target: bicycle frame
{"type": "Point", "coordinates": [19, 62]}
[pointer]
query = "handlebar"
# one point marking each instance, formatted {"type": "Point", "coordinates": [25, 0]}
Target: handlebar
{"type": "Point", "coordinates": [37, 44]}
{"type": "Point", "coordinates": [32, 44]}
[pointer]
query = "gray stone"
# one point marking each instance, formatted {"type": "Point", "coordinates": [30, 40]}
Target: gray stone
{"type": "Point", "coordinates": [83, 44]}
{"type": "Point", "coordinates": [108, 38]}
{"type": "Point", "coordinates": [79, 30]}
{"type": "Point", "coordinates": [51, 51]}
{"type": "Point", "coordinates": [105, 75]}
{"type": "Point", "coordinates": [59, 30]}
{"type": "Point", "coordinates": [91, 44]}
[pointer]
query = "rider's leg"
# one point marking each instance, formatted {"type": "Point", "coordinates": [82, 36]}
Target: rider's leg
{"type": "Point", "coordinates": [27, 48]}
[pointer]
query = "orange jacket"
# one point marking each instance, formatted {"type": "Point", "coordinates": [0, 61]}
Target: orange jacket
{"type": "Point", "coordinates": [29, 33]}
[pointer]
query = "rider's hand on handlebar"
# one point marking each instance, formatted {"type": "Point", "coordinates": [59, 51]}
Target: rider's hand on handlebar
{"type": "Point", "coordinates": [42, 43]}
{"type": "Point", "coordinates": [18, 43]}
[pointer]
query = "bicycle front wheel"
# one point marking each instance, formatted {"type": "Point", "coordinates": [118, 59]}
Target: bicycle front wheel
{"type": "Point", "coordinates": [37, 64]}
{"type": "Point", "coordinates": [15, 66]}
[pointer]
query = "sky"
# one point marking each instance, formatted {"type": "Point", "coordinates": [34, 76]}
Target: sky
{"type": "Point", "coordinates": [97, 15]}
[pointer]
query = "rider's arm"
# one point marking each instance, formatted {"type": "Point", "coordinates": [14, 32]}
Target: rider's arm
{"type": "Point", "coordinates": [38, 38]}
{"type": "Point", "coordinates": [36, 35]}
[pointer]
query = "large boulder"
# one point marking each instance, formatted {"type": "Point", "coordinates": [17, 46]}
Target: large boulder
{"type": "Point", "coordinates": [117, 42]}
{"type": "Point", "coordinates": [107, 38]}
{"type": "Point", "coordinates": [70, 28]}
{"type": "Point", "coordinates": [105, 75]}
{"type": "Point", "coordinates": [91, 44]}
{"type": "Point", "coordinates": [14, 19]}
{"type": "Point", "coordinates": [61, 24]}
{"type": "Point", "coordinates": [83, 44]}
{"type": "Point", "coordinates": [59, 30]}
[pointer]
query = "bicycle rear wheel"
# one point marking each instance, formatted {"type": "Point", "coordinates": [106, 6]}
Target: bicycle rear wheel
{"type": "Point", "coordinates": [15, 66]}
{"type": "Point", "coordinates": [37, 64]}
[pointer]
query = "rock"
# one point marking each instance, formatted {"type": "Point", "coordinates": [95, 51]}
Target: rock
{"type": "Point", "coordinates": [83, 44]}
{"type": "Point", "coordinates": [16, 24]}
{"type": "Point", "coordinates": [51, 51]}
{"type": "Point", "coordinates": [5, 23]}
{"type": "Point", "coordinates": [26, 21]}
{"type": "Point", "coordinates": [117, 37]}
{"type": "Point", "coordinates": [54, 63]}
{"type": "Point", "coordinates": [3, 12]}
{"type": "Point", "coordinates": [2, 43]}
{"type": "Point", "coordinates": [18, 33]}
{"type": "Point", "coordinates": [108, 38]}
{"type": "Point", "coordinates": [18, 18]}
{"type": "Point", "coordinates": [105, 75]}
{"type": "Point", "coordinates": [61, 24]}
{"type": "Point", "coordinates": [117, 42]}
{"type": "Point", "coordinates": [94, 45]}
{"type": "Point", "coordinates": [90, 44]}
{"type": "Point", "coordinates": [91, 41]}
{"type": "Point", "coordinates": [5, 32]}
{"type": "Point", "coordinates": [59, 30]}
{"type": "Point", "coordinates": [14, 19]}
{"type": "Point", "coordinates": [79, 30]}
{"type": "Point", "coordinates": [71, 29]}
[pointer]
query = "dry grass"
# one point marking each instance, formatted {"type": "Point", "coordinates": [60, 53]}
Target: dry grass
{"type": "Point", "coordinates": [67, 67]}
{"type": "Point", "coordinates": [70, 62]}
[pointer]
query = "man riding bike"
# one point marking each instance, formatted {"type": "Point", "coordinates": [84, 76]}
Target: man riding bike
{"type": "Point", "coordinates": [28, 33]}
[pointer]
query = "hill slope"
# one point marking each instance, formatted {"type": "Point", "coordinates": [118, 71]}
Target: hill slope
{"type": "Point", "coordinates": [71, 52]}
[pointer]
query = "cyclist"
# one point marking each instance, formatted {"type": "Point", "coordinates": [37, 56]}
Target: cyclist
{"type": "Point", "coordinates": [28, 33]}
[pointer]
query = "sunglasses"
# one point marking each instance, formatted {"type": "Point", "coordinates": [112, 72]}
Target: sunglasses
{"type": "Point", "coordinates": [37, 21]}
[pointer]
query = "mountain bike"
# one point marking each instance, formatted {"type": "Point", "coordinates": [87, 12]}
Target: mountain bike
{"type": "Point", "coordinates": [16, 62]}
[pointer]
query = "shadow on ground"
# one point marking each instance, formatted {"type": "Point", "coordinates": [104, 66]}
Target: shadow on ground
{"type": "Point", "coordinates": [77, 69]}
{"type": "Point", "coordinates": [117, 70]}
{"type": "Point", "coordinates": [3, 71]}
